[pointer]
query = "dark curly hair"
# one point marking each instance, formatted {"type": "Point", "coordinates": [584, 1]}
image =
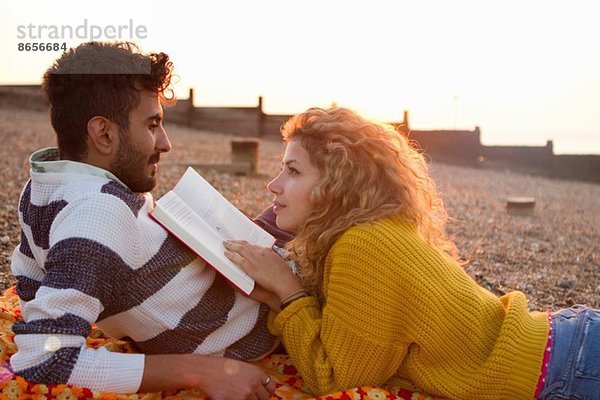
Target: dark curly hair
{"type": "Point", "coordinates": [100, 78]}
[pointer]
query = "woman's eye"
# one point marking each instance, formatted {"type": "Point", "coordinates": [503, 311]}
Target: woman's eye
{"type": "Point", "coordinates": [292, 171]}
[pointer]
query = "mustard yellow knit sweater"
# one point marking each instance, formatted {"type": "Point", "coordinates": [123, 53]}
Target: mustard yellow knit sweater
{"type": "Point", "coordinates": [398, 309]}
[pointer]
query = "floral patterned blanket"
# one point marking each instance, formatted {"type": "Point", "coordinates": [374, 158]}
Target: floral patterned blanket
{"type": "Point", "coordinates": [289, 384]}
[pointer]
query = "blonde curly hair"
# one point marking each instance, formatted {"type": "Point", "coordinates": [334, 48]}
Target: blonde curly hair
{"type": "Point", "coordinates": [368, 171]}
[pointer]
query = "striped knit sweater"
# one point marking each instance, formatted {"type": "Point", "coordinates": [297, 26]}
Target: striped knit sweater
{"type": "Point", "coordinates": [397, 310]}
{"type": "Point", "coordinates": [89, 253]}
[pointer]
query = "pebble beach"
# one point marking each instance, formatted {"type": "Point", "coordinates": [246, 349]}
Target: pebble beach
{"type": "Point", "coordinates": [553, 256]}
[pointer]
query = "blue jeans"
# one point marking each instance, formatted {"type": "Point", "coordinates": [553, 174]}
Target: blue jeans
{"type": "Point", "coordinates": [574, 365]}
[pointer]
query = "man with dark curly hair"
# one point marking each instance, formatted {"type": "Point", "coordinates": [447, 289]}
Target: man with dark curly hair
{"type": "Point", "coordinates": [90, 254]}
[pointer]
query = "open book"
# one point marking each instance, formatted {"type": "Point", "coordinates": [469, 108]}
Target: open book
{"type": "Point", "coordinates": [200, 217]}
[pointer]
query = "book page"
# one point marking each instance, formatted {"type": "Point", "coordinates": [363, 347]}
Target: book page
{"type": "Point", "coordinates": [175, 215]}
{"type": "Point", "coordinates": [186, 219]}
{"type": "Point", "coordinates": [224, 218]}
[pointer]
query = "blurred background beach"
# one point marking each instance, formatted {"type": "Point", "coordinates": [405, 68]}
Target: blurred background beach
{"type": "Point", "coordinates": [525, 72]}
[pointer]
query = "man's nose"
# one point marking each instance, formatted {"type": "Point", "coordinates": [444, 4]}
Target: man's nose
{"type": "Point", "coordinates": [163, 144]}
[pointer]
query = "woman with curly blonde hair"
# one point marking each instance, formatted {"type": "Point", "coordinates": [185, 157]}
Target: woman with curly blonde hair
{"type": "Point", "coordinates": [379, 298]}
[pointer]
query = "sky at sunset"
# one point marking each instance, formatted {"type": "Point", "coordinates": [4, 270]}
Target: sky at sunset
{"type": "Point", "coordinates": [523, 71]}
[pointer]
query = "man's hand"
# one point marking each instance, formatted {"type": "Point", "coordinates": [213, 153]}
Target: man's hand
{"type": "Point", "coordinates": [219, 378]}
{"type": "Point", "coordinates": [264, 296]}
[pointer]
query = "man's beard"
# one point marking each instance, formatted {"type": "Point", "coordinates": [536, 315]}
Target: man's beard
{"type": "Point", "coordinates": [130, 166]}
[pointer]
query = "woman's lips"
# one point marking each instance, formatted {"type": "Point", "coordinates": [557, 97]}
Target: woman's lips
{"type": "Point", "coordinates": [277, 207]}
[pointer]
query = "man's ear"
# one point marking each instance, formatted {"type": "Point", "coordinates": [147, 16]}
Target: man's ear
{"type": "Point", "coordinates": [102, 135]}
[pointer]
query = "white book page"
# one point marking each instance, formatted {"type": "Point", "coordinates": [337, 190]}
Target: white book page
{"type": "Point", "coordinates": [186, 219]}
{"type": "Point", "coordinates": [190, 228]}
{"type": "Point", "coordinates": [229, 222]}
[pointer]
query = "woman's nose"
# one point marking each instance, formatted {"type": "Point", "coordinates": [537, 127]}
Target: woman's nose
{"type": "Point", "coordinates": [274, 186]}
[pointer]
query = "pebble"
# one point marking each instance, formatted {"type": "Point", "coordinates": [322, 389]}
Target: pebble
{"type": "Point", "coordinates": [5, 239]}
{"type": "Point", "coordinates": [567, 284]}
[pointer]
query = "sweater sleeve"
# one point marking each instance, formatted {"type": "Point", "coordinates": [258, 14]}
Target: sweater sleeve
{"type": "Point", "coordinates": [80, 271]}
{"type": "Point", "coordinates": [355, 340]}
